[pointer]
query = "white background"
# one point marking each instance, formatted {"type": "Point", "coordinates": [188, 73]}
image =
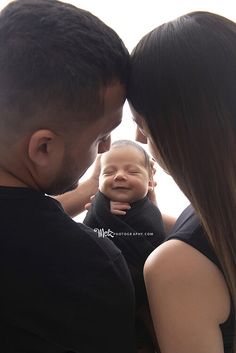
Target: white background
{"type": "Point", "coordinates": [132, 19]}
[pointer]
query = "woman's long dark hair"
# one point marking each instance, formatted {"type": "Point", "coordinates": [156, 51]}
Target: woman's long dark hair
{"type": "Point", "coordinates": [183, 82]}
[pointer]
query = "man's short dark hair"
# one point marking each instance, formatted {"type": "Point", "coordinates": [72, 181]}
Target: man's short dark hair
{"type": "Point", "coordinates": [52, 53]}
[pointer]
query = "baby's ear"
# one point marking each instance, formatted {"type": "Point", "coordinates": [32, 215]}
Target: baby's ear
{"type": "Point", "coordinates": [152, 171]}
{"type": "Point", "coordinates": [151, 191]}
{"type": "Point", "coordinates": [151, 184]}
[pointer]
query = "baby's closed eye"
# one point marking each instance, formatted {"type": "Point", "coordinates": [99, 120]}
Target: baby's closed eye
{"type": "Point", "coordinates": [108, 172]}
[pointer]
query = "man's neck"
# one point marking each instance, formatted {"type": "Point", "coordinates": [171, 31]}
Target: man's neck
{"type": "Point", "coordinates": [9, 179]}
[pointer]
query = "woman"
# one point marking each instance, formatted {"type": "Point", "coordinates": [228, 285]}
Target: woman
{"type": "Point", "coordinates": [182, 93]}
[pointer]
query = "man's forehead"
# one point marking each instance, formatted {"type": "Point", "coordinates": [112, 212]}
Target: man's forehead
{"type": "Point", "coordinates": [114, 96]}
{"type": "Point", "coordinates": [113, 101]}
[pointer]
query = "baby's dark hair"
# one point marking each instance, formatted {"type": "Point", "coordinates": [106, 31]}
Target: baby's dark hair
{"type": "Point", "coordinates": [123, 143]}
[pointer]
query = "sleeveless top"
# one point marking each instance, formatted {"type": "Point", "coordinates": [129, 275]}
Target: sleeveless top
{"type": "Point", "coordinates": [189, 230]}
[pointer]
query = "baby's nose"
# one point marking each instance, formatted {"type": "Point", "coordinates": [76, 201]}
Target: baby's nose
{"type": "Point", "coordinates": [120, 175]}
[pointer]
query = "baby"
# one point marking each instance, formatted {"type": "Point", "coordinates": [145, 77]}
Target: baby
{"type": "Point", "coordinates": [126, 178]}
{"type": "Point", "coordinates": [122, 210]}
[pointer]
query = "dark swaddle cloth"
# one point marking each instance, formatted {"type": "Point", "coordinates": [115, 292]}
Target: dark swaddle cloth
{"type": "Point", "coordinates": [136, 234]}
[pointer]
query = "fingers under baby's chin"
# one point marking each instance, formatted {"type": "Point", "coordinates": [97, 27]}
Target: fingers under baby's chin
{"type": "Point", "coordinates": [118, 212]}
{"type": "Point", "coordinates": [120, 203]}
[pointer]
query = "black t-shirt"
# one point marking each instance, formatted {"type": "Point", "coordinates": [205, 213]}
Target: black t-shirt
{"type": "Point", "coordinates": [188, 229]}
{"type": "Point", "coordinates": [63, 289]}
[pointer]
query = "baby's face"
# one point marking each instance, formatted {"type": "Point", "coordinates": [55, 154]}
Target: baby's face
{"type": "Point", "coordinates": [124, 177]}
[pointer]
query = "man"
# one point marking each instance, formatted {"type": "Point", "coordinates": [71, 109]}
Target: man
{"type": "Point", "coordinates": [62, 87]}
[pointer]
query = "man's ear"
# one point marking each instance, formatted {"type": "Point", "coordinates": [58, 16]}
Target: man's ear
{"type": "Point", "coordinates": [43, 146]}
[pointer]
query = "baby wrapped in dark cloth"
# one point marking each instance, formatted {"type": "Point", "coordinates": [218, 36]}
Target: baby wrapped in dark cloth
{"type": "Point", "coordinates": [136, 234]}
{"type": "Point", "coordinates": [126, 177]}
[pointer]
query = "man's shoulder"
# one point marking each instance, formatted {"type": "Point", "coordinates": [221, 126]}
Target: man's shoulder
{"type": "Point", "coordinates": [79, 239]}
{"type": "Point", "coordinates": [45, 230]}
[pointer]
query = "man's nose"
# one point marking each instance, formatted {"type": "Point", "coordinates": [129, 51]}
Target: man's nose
{"type": "Point", "coordinates": [104, 145]}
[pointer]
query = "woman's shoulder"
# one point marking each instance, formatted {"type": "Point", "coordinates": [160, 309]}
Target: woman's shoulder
{"type": "Point", "coordinates": [186, 265]}
{"type": "Point", "coordinates": [177, 267]}
{"type": "Point", "coordinates": [188, 298]}
{"type": "Point", "coordinates": [179, 257]}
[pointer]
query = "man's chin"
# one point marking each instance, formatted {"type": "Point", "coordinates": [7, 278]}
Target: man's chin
{"type": "Point", "coordinates": [71, 187]}
{"type": "Point", "coordinates": [60, 191]}
{"type": "Point", "coordinates": [61, 187]}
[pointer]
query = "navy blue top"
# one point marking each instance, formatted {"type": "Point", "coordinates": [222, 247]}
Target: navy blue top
{"type": "Point", "coordinates": [188, 229]}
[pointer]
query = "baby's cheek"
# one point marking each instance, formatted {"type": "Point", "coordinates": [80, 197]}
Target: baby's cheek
{"type": "Point", "coordinates": [103, 184]}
